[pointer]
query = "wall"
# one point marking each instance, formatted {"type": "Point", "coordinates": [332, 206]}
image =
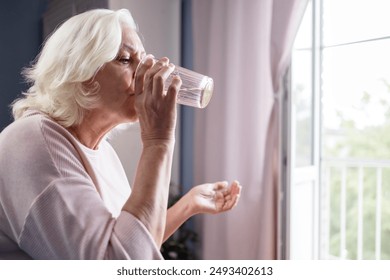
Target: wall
{"type": "Point", "coordinates": [20, 33]}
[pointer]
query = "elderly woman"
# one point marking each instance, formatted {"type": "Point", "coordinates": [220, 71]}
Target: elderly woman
{"type": "Point", "coordinates": [63, 191]}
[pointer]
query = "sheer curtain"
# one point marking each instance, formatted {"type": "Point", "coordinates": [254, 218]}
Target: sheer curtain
{"type": "Point", "coordinates": [245, 46]}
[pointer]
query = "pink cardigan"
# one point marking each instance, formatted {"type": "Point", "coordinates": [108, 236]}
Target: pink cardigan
{"type": "Point", "coordinates": [62, 200]}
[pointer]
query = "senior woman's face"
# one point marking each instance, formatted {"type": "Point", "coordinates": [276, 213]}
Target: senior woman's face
{"type": "Point", "coordinates": [116, 78]}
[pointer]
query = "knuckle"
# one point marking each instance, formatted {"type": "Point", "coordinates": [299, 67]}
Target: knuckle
{"type": "Point", "coordinates": [158, 79]}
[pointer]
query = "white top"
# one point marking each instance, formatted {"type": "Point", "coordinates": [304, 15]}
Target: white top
{"type": "Point", "coordinates": [62, 200]}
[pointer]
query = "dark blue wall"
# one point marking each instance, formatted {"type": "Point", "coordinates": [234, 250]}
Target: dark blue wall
{"type": "Point", "coordinates": [187, 113]}
{"type": "Point", "coordinates": [20, 40]}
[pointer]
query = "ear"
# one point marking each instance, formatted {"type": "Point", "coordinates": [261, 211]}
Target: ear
{"type": "Point", "coordinates": [90, 86]}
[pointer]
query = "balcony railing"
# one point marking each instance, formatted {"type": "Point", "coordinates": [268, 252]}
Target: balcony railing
{"type": "Point", "coordinates": [348, 186]}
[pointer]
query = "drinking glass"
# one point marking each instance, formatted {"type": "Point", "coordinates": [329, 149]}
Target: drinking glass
{"type": "Point", "coordinates": [196, 89]}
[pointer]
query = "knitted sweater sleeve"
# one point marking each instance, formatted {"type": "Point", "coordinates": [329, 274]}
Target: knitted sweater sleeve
{"type": "Point", "coordinates": [55, 209]}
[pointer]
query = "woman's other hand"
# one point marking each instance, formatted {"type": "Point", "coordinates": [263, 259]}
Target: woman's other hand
{"type": "Point", "coordinates": [211, 198]}
{"type": "Point", "coordinates": [214, 198]}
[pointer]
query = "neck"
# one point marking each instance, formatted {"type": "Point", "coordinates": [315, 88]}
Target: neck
{"type": "Point", "coordinates": [92, 129]}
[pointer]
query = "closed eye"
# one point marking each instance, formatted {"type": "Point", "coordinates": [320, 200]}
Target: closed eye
{"type": "Point", "coordinates": [124, 60]}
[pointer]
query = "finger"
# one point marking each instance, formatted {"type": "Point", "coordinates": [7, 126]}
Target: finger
{"type": "Point", "coordinates": [149, 78]}
{"type": "Point", "coordinates": [228, 197]}
{"type": "Point", "coordinates": [235, 188]}
{"type": "Point", "coordinates": [218, 196]}
{"type": "Point", "coordinates": [173, 90]}
{"type": "Point", "coordinates": [232, 196]}
{"type": "Point", "coordinates": [145, 64]}
{"type": "Point", "coordinates": [231, 203]}
{"type": "Point", "coordinates": [220, 185]}
{"type": "Point", "coordinates": [236, 200]}
{"type": "Point", "coordinates": [159, 79]}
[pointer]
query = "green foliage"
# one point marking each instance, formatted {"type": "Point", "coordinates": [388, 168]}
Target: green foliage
{"type": "Point", "coordinates": [368, 142]}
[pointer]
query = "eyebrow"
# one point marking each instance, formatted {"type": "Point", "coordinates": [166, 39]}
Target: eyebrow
{"type": "Point", "coordinates": [132, 50]}
{"type": "Point", "coordinates": [129, 47]}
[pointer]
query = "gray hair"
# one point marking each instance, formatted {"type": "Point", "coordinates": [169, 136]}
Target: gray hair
{"type": "Point", "coordinates": [71, 56]}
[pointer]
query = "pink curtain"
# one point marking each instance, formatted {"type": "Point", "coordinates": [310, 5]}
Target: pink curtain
{"type": "Point", "coordinates": [245, 46]}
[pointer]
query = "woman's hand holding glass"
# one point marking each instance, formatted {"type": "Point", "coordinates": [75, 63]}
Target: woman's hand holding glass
{"type": "Point", "coordinates": [156, 108]}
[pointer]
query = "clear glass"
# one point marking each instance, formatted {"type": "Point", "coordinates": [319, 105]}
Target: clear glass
{"type": "Point", "coordinates": [196, 89]}
{"type": "Point", "coordinates": [302, 113]}
{"type": "Point", "coordinates": [302, 91]}
{"type": "Point", "coordinates": [355, 136]}
{"type": "Point", "coordinates": [348, 21]}
{"type": "Point", "coordinates": [356, 99]}
{"type": "Point", "coordinates": [303, 39]}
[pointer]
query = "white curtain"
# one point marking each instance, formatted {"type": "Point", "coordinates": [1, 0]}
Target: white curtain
{"type": "Point", "coordinates": [245, 46]}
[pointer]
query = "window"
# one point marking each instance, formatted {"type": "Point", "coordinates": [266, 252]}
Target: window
{"type": "Point", "coordinates": [339, 125]}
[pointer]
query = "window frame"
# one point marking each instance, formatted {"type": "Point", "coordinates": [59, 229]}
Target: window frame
{"type": "Point", "coordinates": [295, 176]}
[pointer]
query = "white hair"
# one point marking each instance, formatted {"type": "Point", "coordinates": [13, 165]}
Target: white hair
{"type": "Point", "coordinates": [70, 57]}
